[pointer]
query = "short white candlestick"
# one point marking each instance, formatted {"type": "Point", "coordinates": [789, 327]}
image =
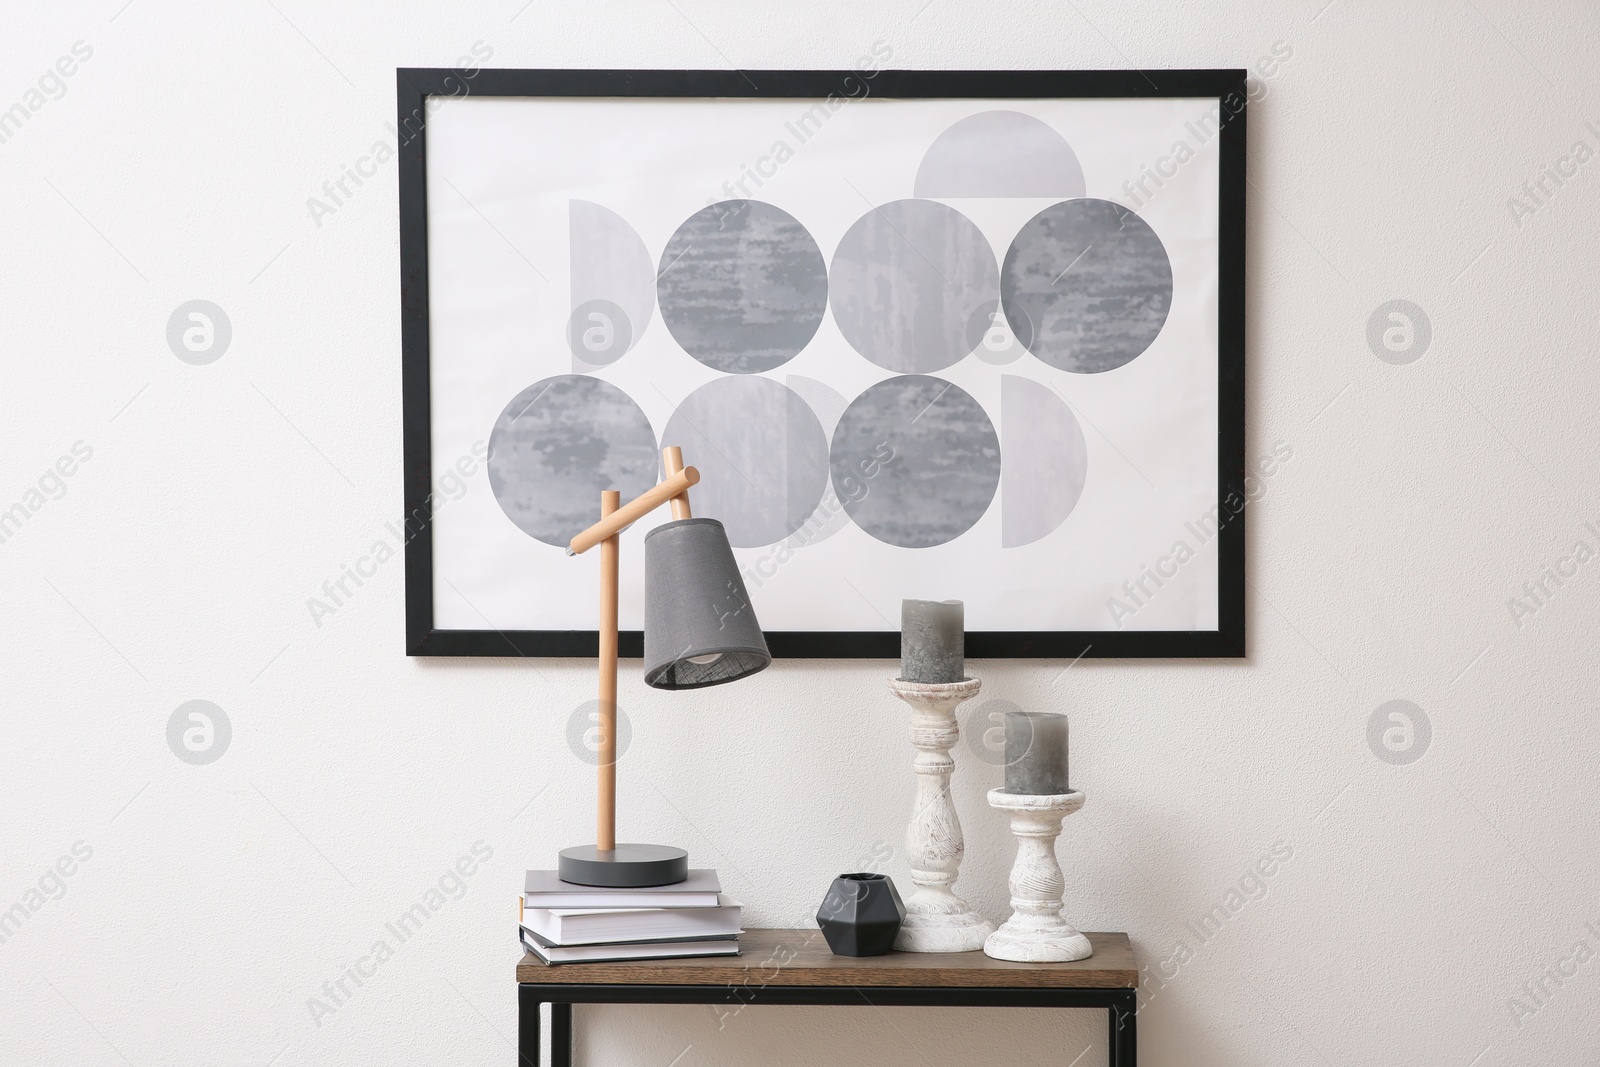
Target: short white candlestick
{"type": "Point", "coordinates": [936, 919]}
{"type": "Point", "coordinates": [1036, 932]}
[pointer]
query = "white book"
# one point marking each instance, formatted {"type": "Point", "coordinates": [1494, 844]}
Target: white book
{"type": "Point", "coordinates": [590, 926]}
{"type": "Point", "coordinates": [652, 950]}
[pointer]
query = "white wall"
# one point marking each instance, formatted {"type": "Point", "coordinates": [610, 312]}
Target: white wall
{"type": "Point", "coordinates": [218, 899]}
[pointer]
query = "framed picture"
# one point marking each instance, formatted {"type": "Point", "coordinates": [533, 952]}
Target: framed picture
{"type": "Point", "coordinates": [971, 335]}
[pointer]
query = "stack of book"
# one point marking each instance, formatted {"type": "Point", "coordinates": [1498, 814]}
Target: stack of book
{"type": "Point", "coordinates": [560, 922]}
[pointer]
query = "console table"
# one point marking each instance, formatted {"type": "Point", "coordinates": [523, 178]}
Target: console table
{"type": "Point", "coordinates": [795, 967]}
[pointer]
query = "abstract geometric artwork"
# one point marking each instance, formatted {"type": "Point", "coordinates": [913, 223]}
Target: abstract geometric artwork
{"type": "Point", "coordinates": [922, 335]}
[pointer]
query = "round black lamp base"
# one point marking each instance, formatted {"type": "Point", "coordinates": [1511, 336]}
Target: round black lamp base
{"type": "Point", "coordinates": [626, 866]}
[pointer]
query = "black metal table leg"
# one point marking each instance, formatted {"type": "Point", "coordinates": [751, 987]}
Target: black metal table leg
{"type": "Point", "coordinates": [561, 1035]}
{"type": "Point", "coordinates": [1123, 1051]}
{"type": "Point", "coordinates": [1121, 1006]}
{"type": "Point", "coordinates": [527, 1026]}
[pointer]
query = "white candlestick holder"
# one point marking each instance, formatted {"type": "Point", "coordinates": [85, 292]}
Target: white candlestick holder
{"type": "Point", "coordinates": [1036, 932]}
{"type": "Point", "coordinates": [936, 919]}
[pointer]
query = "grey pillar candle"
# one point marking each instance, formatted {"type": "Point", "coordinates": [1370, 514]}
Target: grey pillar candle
{"type": "Point", "coordinates": [1036, 753]}
{"type": "Point", "coordinates": [932, 641]}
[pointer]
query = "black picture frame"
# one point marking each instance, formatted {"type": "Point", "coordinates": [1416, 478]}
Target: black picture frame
{"type": "Point", "coordinates": [414, 86]}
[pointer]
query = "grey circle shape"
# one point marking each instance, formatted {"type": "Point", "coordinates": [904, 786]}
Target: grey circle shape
{"type": "Point", "coordinates": [1399, 332]}
{"type": "Point", "coordinates": [742, 286]}
{"type": "Point", "coordinates": [906, 280]}
{"type": "Point", "coordinates": [1399, 732]}
{"type": "Point", "coordinates": [599, 333]}
{"type": "Point", "coordinates": [1090, 280]}
{"type": "Point", "coordinates": [583, 732]}
{"type": "Point", "coordinates": [915, 461]}
{"type": "Point", "coordinates": [983, 727]}
{"type": "Point", "coordinates": [761, 453]}
{"type": "Point", "coordinates": [558, 444]}
{"type": "Point", "coordinates": [199, 332]}
{"type": "Point", "coordinates": [994, 341]}
{"type": "Point", "coordinates": [199, 732]}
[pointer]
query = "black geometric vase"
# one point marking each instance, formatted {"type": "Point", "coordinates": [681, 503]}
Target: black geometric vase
{"type": "Point", "coordinates": [861, 915]}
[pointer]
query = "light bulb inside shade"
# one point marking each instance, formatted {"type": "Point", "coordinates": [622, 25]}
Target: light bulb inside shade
{"type": "Point", "coordinates": [702, 661]}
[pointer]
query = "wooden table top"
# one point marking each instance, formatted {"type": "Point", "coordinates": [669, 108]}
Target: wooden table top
{"type": "Point", "coordinates": [802, 958]}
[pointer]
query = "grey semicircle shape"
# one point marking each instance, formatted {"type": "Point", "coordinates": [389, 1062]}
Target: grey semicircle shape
{"type": "Point", "coordinates": [828, 404]}
{"type": "Point", "coordinates": [1000, 154]}
{"type": "Point", "coordinates": [1047, 461]}
{"type": "Point", "coordinates": [613, 285]}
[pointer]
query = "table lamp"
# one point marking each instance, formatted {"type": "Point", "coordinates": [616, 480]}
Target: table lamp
{"type": "Point", "coordinates": [699, 630]}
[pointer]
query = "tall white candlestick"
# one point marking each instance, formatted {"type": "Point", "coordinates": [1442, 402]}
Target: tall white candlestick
{"type": "Point", "coordinates": [936, 919]}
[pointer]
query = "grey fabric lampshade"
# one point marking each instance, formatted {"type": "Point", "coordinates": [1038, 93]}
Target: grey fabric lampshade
{"type": "Point", "coordinates": [695, 608]}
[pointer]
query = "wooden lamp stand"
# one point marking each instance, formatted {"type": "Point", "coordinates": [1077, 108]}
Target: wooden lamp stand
{"type": "Point", "coordinates": [607, 863]}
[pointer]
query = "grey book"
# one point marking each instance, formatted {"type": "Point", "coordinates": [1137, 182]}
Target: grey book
{"type": "Point", "coordinates": [593, 926]}
{"type": "Point", "coordinates": [544, 942]}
